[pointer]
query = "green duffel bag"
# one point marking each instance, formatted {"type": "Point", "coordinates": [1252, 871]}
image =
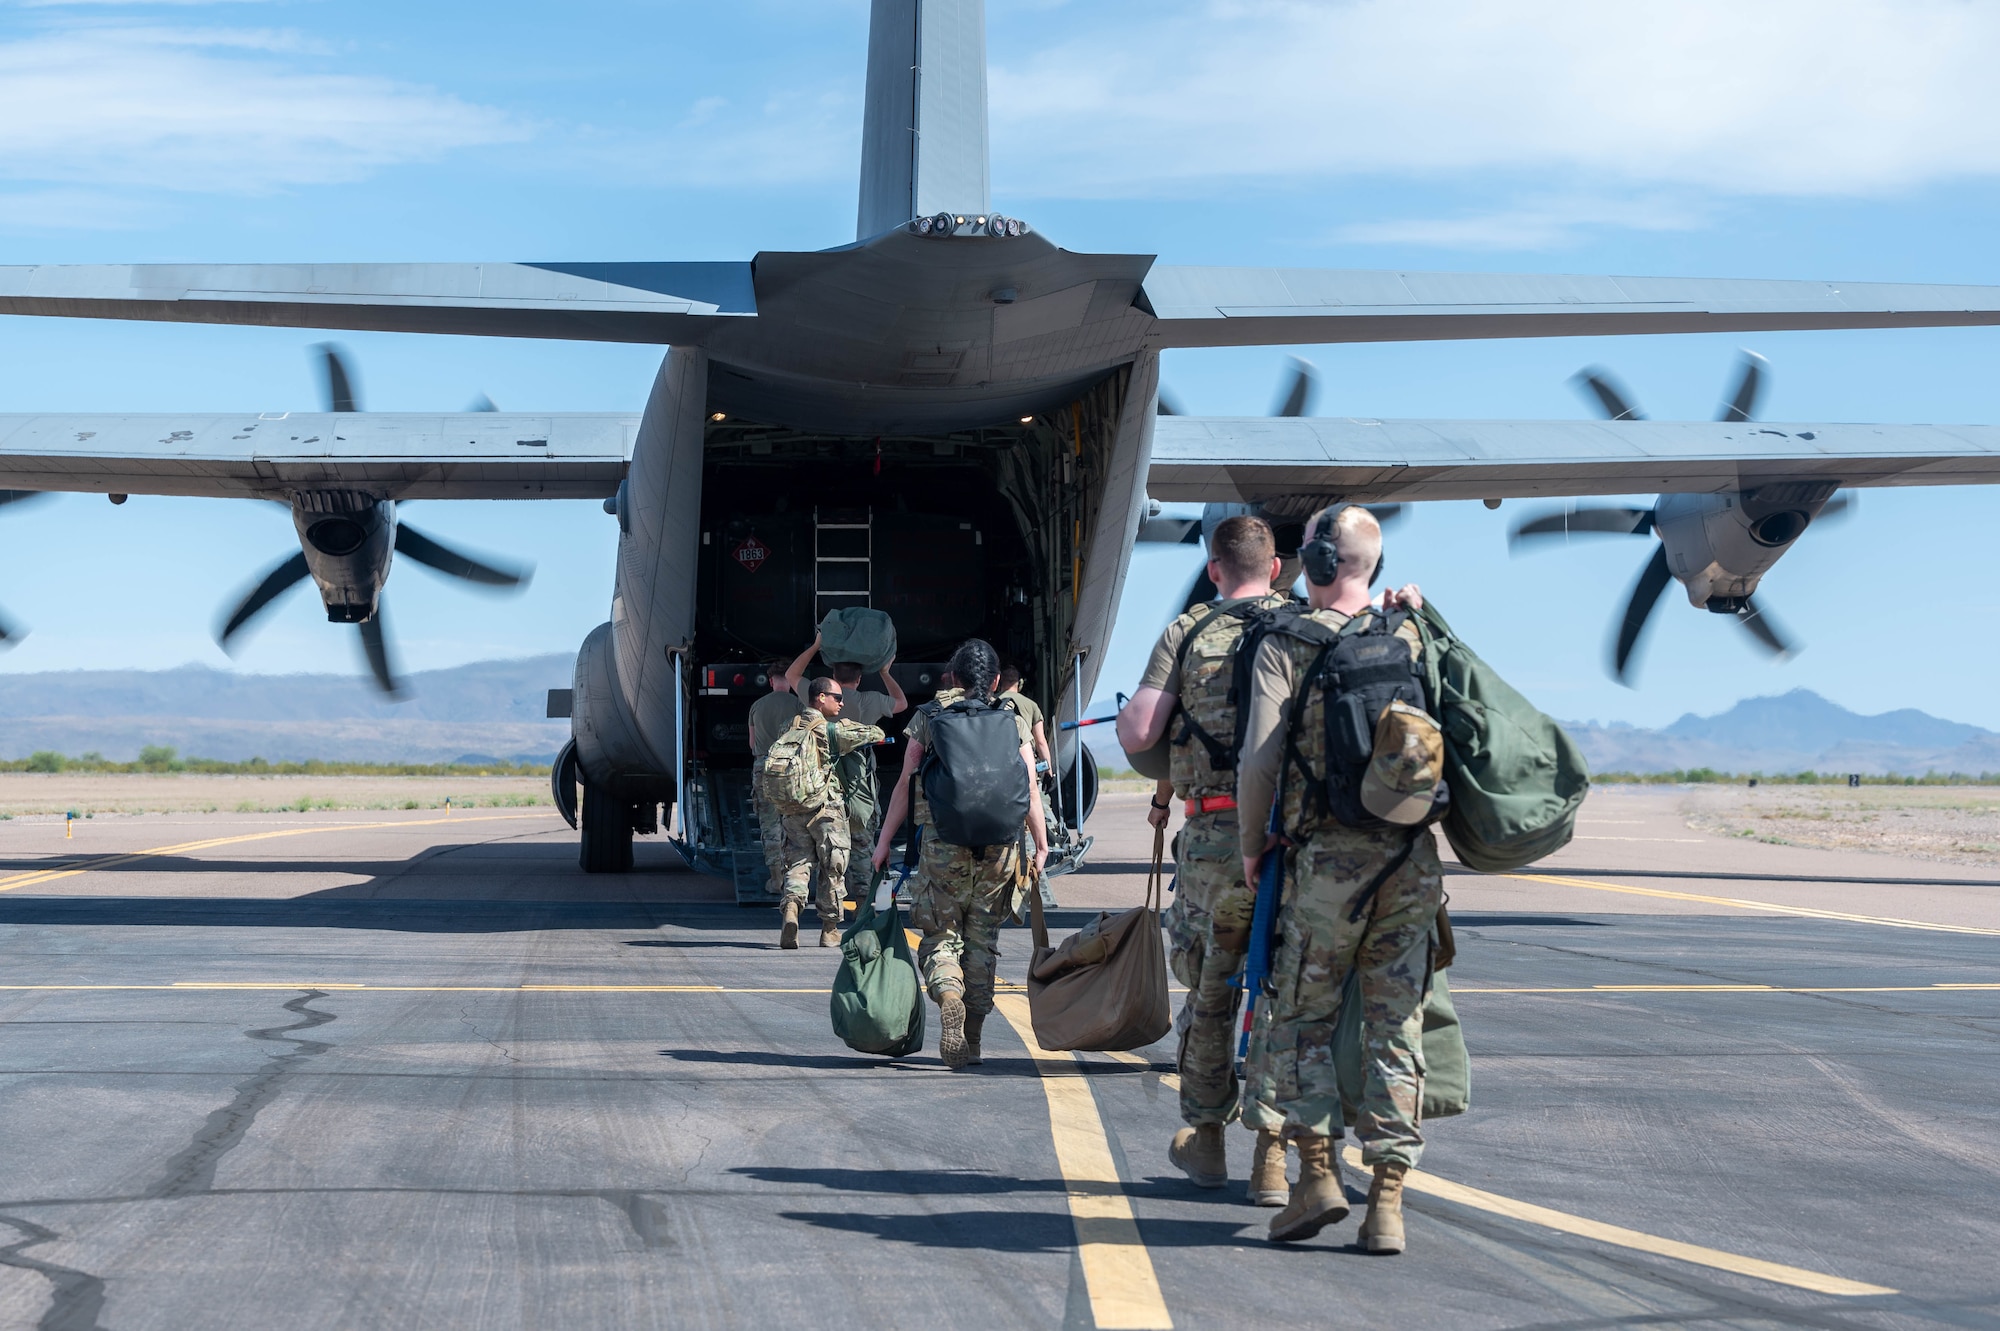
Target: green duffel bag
{"type": "Point", "coordinates": [878, 1002]}
{"type": "Point", "coordinates": [857, 633]}
{"type": "Point", "coordinates": [1516, 777]}
{"type": "Point", "coordinates": [1447, 1069]}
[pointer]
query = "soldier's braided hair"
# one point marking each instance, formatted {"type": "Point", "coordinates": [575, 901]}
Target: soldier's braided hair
{"type": "Point", "coordinates": [975, 665]}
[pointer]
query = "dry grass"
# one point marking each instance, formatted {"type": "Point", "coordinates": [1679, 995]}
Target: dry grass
{"type": "Point", "coordinates": [1955, 824]}
{"type": "Point", "coordinates": [28, 793]}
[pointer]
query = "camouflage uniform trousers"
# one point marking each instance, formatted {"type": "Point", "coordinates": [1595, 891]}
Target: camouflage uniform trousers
{"type": "Point", "coordinates": [1208, 927]}
{"type": "Point", "coordinates": [817, 841]}
{"type": "Point", "coordinates": [861, 833]}
{"type": "Point", "coordinates": [959, 901]}
{"type": "Point", "coordinates": [770, 829]}
{"type": "Point", "coordinates": [1293, 1086]}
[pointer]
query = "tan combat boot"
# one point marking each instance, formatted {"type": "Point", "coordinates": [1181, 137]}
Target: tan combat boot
{"type": "Point", "coordinates": [975, 1022]}
{"type": "Point", "coordinates": [1199, 1154]}
{"type": "Point", "coordinates": [1267, 1171]}
{"type": "Point", "coordinates": [1317, 1199]}
{"type": "Point", "coordinates": [1382, 1231]}
{"type": "Point", "coordinates": [951, 1031]}
{"type": "Point", "coordinates": [829, 934]}
{"type": "Point", "coordinates": [788, 924]}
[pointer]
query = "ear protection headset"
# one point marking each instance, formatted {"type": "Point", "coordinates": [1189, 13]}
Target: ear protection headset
{"type": "Point", "coordinates": [1321, 559]}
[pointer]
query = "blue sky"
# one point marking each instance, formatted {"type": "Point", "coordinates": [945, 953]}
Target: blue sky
{"type": "Point", "coordinates": [1844, 139]}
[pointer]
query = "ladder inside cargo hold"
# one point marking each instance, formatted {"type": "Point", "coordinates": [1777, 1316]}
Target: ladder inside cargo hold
{"type": "Point", "coordinates": [843, 554]}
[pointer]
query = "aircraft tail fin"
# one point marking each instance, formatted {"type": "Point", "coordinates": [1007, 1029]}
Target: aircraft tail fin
{"type": "Point", "coordinates": [923, 143]}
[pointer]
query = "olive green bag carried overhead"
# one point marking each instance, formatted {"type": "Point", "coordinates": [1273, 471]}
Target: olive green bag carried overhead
{"type": "Point", "coordinates": [1516, 777]}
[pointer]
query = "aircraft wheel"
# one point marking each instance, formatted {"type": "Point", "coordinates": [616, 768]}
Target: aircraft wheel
{"type": "Point", "coordinates": [607, 833]}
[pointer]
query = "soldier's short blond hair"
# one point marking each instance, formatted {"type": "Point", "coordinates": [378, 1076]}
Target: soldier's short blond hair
{"type": "Point", "coordinates": [1357, 536]}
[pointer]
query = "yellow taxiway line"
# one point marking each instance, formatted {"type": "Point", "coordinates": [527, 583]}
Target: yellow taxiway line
{"type": "Point", "coordinates": [1618, 1236]}
{"type": "Point", "coordinates": [1117, 1270]}
{"type": "Point", "coordinates": [1777, 1273]}
{"type": "Point", "coordinates": [36, 877]}
{"type": "Point", "coordinates": [1742, 903]}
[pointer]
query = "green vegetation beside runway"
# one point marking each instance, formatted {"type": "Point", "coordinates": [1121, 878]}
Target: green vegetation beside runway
{"type": "Point", "coordinates": [127, 788]}
{"type": "Point", "coordinates": [156, 759]}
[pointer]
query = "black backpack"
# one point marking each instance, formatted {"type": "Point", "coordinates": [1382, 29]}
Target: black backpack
{"type": "Point", "coordinates": [973, 775]}
{"type": "Point", "coordinates": [1361, 668]}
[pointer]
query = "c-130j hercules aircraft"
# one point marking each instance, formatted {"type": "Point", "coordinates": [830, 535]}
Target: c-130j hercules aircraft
{"type": "Point", "coordinates": [951, 418]}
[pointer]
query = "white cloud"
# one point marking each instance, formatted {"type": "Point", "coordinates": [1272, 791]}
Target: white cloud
{"type": "Point", "coordinates": [1534, 225]}
{"type": "Point", "coordinates": [212, 110]}
{"type": "Point", "coordinates": [1794, 97]}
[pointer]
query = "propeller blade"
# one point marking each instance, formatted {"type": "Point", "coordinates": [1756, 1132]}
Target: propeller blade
{"type": "Point", "coordinates": [1842, 505]}
{"type": "Point", "coordinates": [1584, 521]}
{"type": "Point", "coordinates": [1763, 630]}
{"type": "Point", "coordinates": [1610, 395]}
{"type": "Point", "coordinates": [1167, 404]}
{"type": "Point", "coordinates": [339, 395]}
{"type": "Point", "coordinates": [10, 633]}
{"type": "Point", "coordinates": [411, 542]}
{"type": "Point", "coordinates": [1653, 580]}
{"type": "Point", "coordinates": [282, 577]}
{"type": "Point", "coordinates": [1386, 514]}
{"type": "Point", "coordinates": [16, 496]}
{"type": "Point", "coordinates": [1299, 392]}
{"type": "Point", "coordinates": [482, 403]}
{"type": "Point", "coordinates": [1742, 404]}
{"type": "Point", "coordinates": [377, 648]}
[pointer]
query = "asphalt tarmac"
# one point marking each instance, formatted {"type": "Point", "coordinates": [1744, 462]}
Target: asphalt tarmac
{"type": "Point", "coordinates": [416, 1070]}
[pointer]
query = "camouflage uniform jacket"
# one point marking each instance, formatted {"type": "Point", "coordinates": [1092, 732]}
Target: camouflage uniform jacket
{"type": "Point", "coordinates": [836, 739]}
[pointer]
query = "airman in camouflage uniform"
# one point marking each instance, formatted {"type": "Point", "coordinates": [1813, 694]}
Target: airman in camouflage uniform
{"type": "Point", "coordinates": [961, 896]}
{"type": "Point", "coordinates": [770, 716]}
{"type": "Point", "coordinates": [819, 840]}
{"type": "Point", "coordinates": [857, 770]}
{"type": "Point", "coordinates": [1339, 914]}
{"type": "Point", "coordinates": [1185, 695]}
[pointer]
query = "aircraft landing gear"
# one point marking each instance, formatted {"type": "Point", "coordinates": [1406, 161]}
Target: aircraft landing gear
{"type": "Point", "coordinates": [607, 833]}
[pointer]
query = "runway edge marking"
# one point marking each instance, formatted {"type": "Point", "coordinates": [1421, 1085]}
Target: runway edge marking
{"type": "Point", "coordinates": [1616, 1235]}
{"type": "Point", "coordinates": [1742, 903]}
{"type": "Point", "coordinates": [1117, 1270]}
{"type": "Point", "coordinates": [36, 877]}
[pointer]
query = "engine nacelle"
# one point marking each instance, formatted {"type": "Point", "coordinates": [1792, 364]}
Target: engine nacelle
{"type": "Point", "coordinates": [349, 540]}
{"type": "Point", "coordinates": [1719, 546]}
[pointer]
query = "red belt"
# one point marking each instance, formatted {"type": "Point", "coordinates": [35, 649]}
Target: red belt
{"type": "Point", "coordinates": [1209, 804]}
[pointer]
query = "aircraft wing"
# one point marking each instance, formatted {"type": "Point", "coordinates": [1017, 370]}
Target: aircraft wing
{"type": "Point", "coordinates": [1262, 458]}
{"type": "Point", "coordinates": [590, 302]}
{"type": "Point", "coordinates": [1234, 307]}
{"type": "Point", "coordinates": [464, 455]}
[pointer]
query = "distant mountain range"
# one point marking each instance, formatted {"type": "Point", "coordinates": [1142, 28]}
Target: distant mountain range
{"type": "Point", "coordinates": [487, 710]}
{"type": "Point", "coordinates": [1794, 732]}
{"type": "Point", "coordinates": [494, 710]}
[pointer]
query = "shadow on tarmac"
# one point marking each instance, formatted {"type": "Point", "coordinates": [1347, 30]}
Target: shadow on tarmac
{"type": "Point", "coordinates": [990, 1066]}
{"type": "Point", "coordinates": [1015, 1232]}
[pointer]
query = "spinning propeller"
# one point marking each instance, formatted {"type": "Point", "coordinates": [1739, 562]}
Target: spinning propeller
{"type": "Point", "coordinates": [1772, 531]}
{"type": "Point", "coordinates": [11, 633]}
{"type": "Point", "coordinates": [348, 544]}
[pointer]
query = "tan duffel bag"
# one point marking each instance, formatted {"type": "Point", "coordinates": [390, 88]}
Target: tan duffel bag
{"type": "Point", "coordinates": [1106, 986]}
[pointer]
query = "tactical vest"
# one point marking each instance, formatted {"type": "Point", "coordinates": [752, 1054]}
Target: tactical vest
{"type": "Point", "coordinates": [1204, 733]}
{"type": "Point", "coordinates": [1337, 696]}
